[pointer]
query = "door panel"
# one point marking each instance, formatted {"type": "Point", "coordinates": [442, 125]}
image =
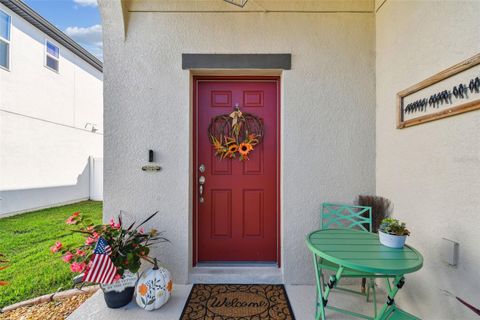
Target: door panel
{"type": "Point", "coordinates": [239, 216]}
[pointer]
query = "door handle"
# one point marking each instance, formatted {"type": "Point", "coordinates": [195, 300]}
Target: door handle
{"type": "Point", "coordinates": [201, 182]}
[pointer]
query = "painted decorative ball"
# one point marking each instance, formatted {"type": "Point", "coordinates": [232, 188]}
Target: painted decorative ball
{"type": "Point", "coordinates": [153, 288]}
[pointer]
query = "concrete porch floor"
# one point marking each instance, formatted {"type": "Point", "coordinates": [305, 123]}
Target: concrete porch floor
{"type": "Point", "coordinates": [301, 298]}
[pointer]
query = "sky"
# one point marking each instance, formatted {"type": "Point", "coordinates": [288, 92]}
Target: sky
{"type": "Point", "coordinates": [79, 19]}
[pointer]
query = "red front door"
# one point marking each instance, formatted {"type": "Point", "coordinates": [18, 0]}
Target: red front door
{"type": "Point", "coordinates": [238, 218]}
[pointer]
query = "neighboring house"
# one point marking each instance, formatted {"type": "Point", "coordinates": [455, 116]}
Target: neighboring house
{"type": "Point", "coordinates": [325, 83]}
{"type": "Point", "coordinates": [51, 114]}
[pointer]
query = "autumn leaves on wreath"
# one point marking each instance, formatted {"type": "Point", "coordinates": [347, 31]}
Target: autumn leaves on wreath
{"type": "Point", "coordinates": [125, 248]}
{"type": "Point", "coordinates": [235, 134]}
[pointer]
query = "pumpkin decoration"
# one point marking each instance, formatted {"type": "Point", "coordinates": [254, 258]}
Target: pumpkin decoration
{"type": "Point", "coordinates": [153, 288]}
{"type": "Point", "coordinates": [235, 134]}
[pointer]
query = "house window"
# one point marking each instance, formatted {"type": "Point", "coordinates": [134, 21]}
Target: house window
{"type": "Point", "coordinates": [5, 22]}
{"type": "Point", "coordinates": [52, 56]}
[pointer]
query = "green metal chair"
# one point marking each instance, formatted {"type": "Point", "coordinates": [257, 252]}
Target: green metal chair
{"type": "Point", "coordinates": [343, 216]}
{"type": "Point", "coordinates": [346, 216]}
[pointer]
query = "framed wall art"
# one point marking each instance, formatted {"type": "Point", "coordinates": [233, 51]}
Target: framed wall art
{"type": "Point", "coordinates": [450, 92]}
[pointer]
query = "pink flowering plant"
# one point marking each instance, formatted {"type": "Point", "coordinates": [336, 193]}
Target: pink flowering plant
{"type": "Point", "coordinates": [129, 245]}
{"type": "Point", "coordinates": [2, 267]}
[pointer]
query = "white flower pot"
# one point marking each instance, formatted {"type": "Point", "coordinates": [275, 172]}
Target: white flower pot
{"type": "Point", "coordinates": [391, 240]}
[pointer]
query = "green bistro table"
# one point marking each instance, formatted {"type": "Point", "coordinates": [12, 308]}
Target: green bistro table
{"type": "Point", "coordinates": [360, 251]}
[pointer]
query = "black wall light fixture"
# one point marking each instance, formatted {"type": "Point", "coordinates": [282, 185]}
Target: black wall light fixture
{"type": "Point", "coordinates": [151, 166]}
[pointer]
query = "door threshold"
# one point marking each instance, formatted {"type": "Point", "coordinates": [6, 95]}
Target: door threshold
{"type": "Point", "coordinates": [230, 264]}
{"type": "Point", "coordinates": [236, 272]}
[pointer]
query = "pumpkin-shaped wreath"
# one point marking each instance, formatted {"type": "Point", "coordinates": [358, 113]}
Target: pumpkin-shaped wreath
{"type": "Point", "coordinates": [235, 134]}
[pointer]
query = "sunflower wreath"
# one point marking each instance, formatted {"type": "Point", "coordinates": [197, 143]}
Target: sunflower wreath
{"type": "Point", "coordinates": [235, 134]}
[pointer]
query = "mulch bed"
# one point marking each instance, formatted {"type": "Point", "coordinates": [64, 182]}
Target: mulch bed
{"type": "Point", "coordinates": [52, 310]}
{"type": "Point", "coordinates": [237, 301]}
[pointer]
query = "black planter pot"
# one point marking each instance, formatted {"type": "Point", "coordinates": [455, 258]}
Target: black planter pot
{"type": "Point", "coordinates": [116, 300]}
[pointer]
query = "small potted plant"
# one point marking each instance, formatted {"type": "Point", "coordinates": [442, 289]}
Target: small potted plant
{"type": "Point", "coordinates": [393, 233]}
{"type": "Point", "coordinates": [110, 256]}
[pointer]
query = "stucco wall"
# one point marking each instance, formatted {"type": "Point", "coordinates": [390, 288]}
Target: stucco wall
{"type": "Point", "coordinates": [432, 171]}
{"type": "Point", "coordinates": [328, 116]}
{"type": "Point", "coordinates": [44, 145]}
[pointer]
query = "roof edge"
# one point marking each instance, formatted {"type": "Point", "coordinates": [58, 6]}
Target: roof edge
{"type": "Point", "coordinates": [49, 29]}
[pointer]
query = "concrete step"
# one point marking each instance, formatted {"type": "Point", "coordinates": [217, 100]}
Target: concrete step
{"type": "Point", "coordinates": [236, 273]}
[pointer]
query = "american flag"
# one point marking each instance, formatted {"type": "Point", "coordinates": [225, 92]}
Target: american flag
{"type": "Point", "coordinates": [101, 269]}
{"type": "Point", "coordinates": [102, 247]}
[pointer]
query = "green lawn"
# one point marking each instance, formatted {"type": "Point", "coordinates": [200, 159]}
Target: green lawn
{"type": "Point", "coordinates": [26, 240]}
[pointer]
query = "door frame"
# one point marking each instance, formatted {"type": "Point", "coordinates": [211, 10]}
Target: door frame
{"type": "Point", "coordinates": [194, 158]}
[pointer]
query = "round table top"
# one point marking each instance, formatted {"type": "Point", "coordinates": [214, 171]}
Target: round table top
{"type": "Point", "coordinates": [362, 251]}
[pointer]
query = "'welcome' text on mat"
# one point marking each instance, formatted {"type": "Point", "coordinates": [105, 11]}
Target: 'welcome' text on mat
{"type": "Point", "coordinates": [237, 301]}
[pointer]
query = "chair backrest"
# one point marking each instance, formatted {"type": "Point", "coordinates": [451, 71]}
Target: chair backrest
{"type": "Point", "coordinates": [346, 216]}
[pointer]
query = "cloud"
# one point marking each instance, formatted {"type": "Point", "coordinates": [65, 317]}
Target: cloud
{"type": "Point", "coordinates": [90, 38]}
{"type": "Point", "coordinates": [89, 34]}
{"type": "Point", "coordinates": [86, 3]}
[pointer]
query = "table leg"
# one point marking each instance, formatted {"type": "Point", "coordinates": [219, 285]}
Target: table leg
{"type": "Point", "coordinates": [397, 285]}
{"type": "Point", "coordinates": [374, 294]}
{"type": "Point", "coordinates": [387, 280]}
{"type": "Point", "coordinates": [323, 291]}
{"type": "Point", "coordinates": [332, 283]}
{"type": "Point", "coordinates": [319, 301]}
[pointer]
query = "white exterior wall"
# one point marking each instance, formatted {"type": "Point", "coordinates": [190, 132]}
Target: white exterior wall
{"type": "Point", "coordinates": [44, 146]}
{"type": "Point", "coordinates": [328, 116]}
{"type": "Point", "coordinates": [431, 172]}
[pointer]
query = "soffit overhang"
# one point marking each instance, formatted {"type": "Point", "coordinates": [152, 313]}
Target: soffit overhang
{"type": "Point", "coordinates": [360, 6]}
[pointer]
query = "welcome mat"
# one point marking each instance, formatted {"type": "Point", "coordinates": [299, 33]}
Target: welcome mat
{"type": "Point", "coordinates": [237, 302]}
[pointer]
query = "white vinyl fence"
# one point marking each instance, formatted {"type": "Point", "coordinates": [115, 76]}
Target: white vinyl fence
{"type": "Point", "coordinates": [89, 186]}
